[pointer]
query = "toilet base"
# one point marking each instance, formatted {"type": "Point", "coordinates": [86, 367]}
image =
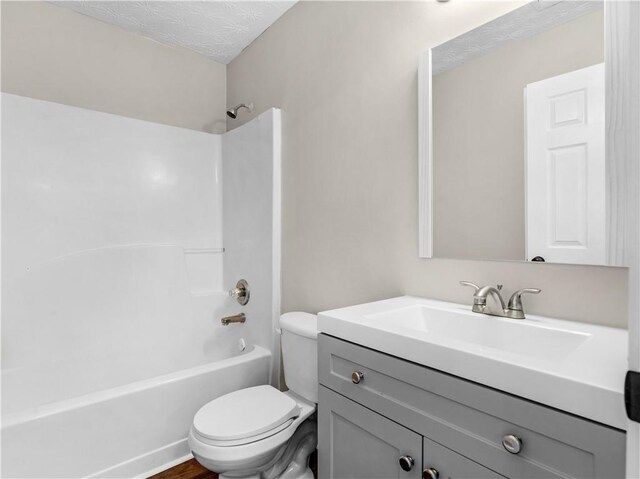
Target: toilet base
{"type": "Point", "coordinates": [294, 463]}
{"type": "Point", "coordinates": [290, 462]}
{"type": "Point", "coordinates": [308, 474]}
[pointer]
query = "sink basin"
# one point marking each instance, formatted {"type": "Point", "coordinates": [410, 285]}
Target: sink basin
{"type": "Point", "coordinates": [514, 336]}
{"type": "Point", "coordinates": [571, 366]}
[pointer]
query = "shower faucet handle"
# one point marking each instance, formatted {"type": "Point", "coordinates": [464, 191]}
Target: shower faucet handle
{"type": "Point", "coordinates": [241, 292]}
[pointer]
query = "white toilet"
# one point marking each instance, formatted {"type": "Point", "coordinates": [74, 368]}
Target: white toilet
{"type": "Point", "coordinates": [260, 432]}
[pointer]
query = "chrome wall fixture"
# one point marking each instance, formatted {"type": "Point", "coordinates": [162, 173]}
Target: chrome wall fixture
{"type": "Point", "coordinates": [233, 112]}
{"type": "Point", "coordinates": [241, 292]}
{"type": "Point", "coordinates": [236, 318]}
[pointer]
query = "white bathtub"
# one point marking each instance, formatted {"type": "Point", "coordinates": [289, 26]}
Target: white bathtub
{"type": "Point", "coordinates": [128, 431]}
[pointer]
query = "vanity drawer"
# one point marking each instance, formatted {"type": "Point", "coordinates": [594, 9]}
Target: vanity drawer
{"type": "Point", "coordinates": [472, 419]}
{"type": "Point", "coordinates": [438, 461]}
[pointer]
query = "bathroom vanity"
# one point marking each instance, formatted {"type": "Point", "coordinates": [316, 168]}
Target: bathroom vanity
{"type": "Point", "coordinates": [411, 388]}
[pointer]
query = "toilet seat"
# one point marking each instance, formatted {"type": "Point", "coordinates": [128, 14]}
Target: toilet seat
{"type": "Point", "coordinates": [245, 416]}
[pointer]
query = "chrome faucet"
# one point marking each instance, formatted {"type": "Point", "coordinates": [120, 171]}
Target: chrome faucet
{"type": "Point", "coordinates": [513, 310]}
{"type": "Point", "coordinates": [236, 318]}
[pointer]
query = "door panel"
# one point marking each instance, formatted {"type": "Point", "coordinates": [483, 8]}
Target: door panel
{"type": "Point", "coordinates": [356, 443]}
{"type": "Point", "coordinates": [566, 168]}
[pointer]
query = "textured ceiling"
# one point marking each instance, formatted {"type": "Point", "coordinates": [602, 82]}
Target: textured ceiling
{"type": "Point", "coordinates": [219, 30]}
{"type": "Point", "coordinates": [526, 21]}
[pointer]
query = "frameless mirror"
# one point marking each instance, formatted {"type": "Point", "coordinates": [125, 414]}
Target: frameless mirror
{"type": "Point", "coordinates": [513, 139]}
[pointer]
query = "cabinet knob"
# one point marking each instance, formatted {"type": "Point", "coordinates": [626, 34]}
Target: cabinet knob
{"type": "Point", "coordinates": [430, 473]}
{"type": "Point", "coordinates": [406, 463]}
{"type": "Point", "coordinates": [512, 444]}
{"type": "Point", "coordinates": [357, 377]}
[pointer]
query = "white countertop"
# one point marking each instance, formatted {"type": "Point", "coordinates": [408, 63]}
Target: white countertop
{"type": "Point", "coordinates": [575, 367]}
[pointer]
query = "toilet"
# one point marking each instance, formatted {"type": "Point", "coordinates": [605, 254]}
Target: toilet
{"type": "Point", "coordinates": [261, 432]}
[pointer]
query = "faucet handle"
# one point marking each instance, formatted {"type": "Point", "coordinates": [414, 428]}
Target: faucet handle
{"type": "Point", "coordinates": [472, 285]}
{"type": "Point", "coordinates": [515, 302]}
{"type": "Point", "coordinates": [241, 292]}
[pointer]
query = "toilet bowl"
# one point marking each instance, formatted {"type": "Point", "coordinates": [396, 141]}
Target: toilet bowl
{"type": "Point", "coordinates": [261, 432]}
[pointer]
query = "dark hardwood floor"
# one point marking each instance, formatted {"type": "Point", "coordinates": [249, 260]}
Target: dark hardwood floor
{"type": "Point", "coordinates": [192, 470]}
{"type": "Point", "coordinates": [187, 470]}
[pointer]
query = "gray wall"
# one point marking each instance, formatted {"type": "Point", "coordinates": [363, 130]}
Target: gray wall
{"type": "Point", "coordinates": [54, 54]}
{"type": "Point", "coordinates": [478, 137]}
{"type": "Point", "coordinates": [345, 76]}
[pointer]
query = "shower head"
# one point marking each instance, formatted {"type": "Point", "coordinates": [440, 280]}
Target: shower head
{"type": "Point", "coordinates": [233, 112]}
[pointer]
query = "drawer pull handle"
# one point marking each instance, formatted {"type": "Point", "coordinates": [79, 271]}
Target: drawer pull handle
{"type": "Point", "coordinates": [406, 463]}
{"type": "Point", "coordinates": [430, 473]}
{"type": "Point", "coordinates": [357, 377]}
{"type": "Point", "coordinates": [512, 444]}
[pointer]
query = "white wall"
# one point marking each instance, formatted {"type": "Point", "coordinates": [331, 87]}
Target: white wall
{"type": "Point", "coordinates": [345, 76]}
{"type": "Point", "coordinates": [55, 54]}
{"type": "Point", "coordinates": [140, 223]}
{"type": "Point", "coordinates": [251, 178]}
{"type": "Point", "coordinates": [111, 245]}
{"type": "Point", "coordinates": [113, 273]}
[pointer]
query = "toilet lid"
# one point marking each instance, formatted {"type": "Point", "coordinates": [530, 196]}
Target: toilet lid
{"type": "Point", "coordinates": [245, 413]}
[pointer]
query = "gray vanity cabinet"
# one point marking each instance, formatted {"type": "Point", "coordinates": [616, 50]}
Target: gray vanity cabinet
{"type": "Point", "coordinates": [373, 407]}
{"type": "Point", "coordinates": [363, 445]}
{"type": "Point", "coordinates": [440, 462]}
{"type": "Point", "coordinates": [366, 445]}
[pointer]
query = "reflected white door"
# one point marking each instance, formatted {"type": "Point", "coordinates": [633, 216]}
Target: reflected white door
{"type": "Point", "coordinates": [565, 170]}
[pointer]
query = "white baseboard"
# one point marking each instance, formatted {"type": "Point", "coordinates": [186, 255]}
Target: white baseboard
{"type": "Point", "coordinates": [150, 463]}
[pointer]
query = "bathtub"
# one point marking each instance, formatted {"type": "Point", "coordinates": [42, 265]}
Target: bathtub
{"type": "Point", "coordinates": [133, 430]}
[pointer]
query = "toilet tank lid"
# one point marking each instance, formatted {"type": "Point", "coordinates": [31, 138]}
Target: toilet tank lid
{"type": "Point", "coordinates": [302, 324]}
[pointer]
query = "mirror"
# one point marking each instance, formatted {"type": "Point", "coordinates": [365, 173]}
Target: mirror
{"type": "Point", "coordinates": [513, 139]}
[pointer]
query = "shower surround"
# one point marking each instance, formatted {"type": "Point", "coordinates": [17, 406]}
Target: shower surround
{"type": "Point", "coordinates": [120, 240]}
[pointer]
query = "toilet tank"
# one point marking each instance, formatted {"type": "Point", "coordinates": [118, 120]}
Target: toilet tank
{"type": "Point", "coordinates": [299, 342]}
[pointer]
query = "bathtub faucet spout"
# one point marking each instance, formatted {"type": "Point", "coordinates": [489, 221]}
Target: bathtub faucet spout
{"type": "Point", "coordinates": [236, 318]}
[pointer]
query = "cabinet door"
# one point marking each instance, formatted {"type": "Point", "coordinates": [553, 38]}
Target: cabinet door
{"type": "Point", "coordinates": [357, 443]}
{"type": "Point", "coordinates": [442, 463]}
